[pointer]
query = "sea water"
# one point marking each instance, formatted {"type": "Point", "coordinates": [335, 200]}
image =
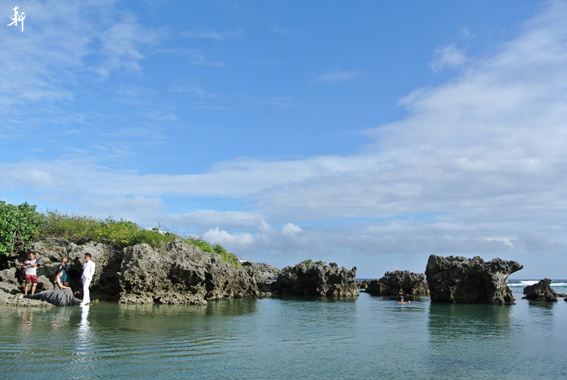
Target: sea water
{"type": "Point", "coordinates": [362, 337]}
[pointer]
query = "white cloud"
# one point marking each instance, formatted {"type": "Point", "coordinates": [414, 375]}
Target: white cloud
{"type": "Point", "coordinates": [278, 30]}
{"type": "Point", "coordinates": [193, 87]}
{"type": "Point", "coordinates": [61, 46]}
{"type": "Point", "coordinates": [202, 32]}
{"type": "Point", "coordinates": [337, 75]}
{"type": "Point", "coordinates": [478, 166]}
{"type": "Point", "coordinates": [450, 56]}
{"type": "Point", "coordinates": [217, 236]}
{"type": "Point", "coordinates": [291, 229]}
{"type": "Point", "coordinates": [124, 44]}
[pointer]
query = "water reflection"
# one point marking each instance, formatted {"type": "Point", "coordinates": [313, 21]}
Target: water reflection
{"type": "Point", "coordinates": [542, 303]}
{"type": "Point", "coordinates": [468, 338]}
{"type": "Point", "coordinates": [84, 336]}
{"type": "Point", "coordinates": [61, 319]}
{"type": "Point", "coordinates": [27, 321]}
{"type": "Point", "coordinates": [449, 321]}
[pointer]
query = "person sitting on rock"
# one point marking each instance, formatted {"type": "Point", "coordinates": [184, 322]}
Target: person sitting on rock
{"type": "Point", "coordinates": [60, 296]}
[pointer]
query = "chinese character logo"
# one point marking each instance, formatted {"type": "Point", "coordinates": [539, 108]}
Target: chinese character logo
{"type": "Point", "coordinates": [17, 17]}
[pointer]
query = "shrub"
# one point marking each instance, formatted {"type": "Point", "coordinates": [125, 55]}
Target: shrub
{"type": "Point", "coordinates": [206, 247]}
{"type": "Point", "coordinates": [307, 262]}
{"type": "Point", "coordinates": [230, 258]}
{"type": "Point", "coordinates": [310, 262]}
{"type": "Point", "coordinates": [19, 225]}
{"type": "Point", "coordinates": [121, 233]}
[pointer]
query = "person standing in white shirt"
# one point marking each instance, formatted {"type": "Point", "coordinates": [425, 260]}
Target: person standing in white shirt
{"type": "Point", "coordinates": [30, 266]}
{"type": "Point", "coordinates": [88, 273]}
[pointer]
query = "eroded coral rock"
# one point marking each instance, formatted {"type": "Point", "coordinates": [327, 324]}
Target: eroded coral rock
{"type": "Point", "coordinates": [462, 280]}
{"type": "Point", "coordinates": [541, 291]}
{"type": "Point", "coordinates": [317, 280]}
{"type": "Point", "coordinates": [399, 283]}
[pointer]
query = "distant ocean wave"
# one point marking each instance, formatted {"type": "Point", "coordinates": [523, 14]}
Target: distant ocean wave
{"type": "Point", "coordinates": [524, 283]}
{"type": "Point", "coordinates": [518, 283]}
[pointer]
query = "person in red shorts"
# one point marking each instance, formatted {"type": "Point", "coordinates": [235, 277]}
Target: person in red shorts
{"type": "Point", "coordinates": [30, 265]}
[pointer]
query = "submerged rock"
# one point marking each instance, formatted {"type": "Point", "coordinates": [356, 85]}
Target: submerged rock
{"type": "Point", "coordinates": [462, 280]}
{"type": "Point", "coordinates": [541, 291]}
{"type": "Point", "coordinates": [398, 283]}
{"type": "Point", "coordinates": [317, 280]}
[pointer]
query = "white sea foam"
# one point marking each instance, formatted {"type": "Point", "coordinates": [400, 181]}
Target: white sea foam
{"type": "Point", "coordinates": [524, 283]}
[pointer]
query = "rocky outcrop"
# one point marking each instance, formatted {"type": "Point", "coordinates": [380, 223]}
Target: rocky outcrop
{"type": "Point", "coordinates": [541, 291]}
{"type": "Point", "coordinates": [261, 271]}
{"type": "Point", "coordinates": [179, 273]}
{"type": "Point", "coordinates": [264, 274]}
{"type": "Point", "coordinates": [462, 280]}
{"type": "Point", "coordinates": [363, 284]}
{"type": "Point", "coordinates": [9, 276]}
{"type": "Point", "coordinates": [317, 280]}
{"type": "Point", "coordinates": [398, 283]}
{"type": "Point", "coordinates": [104, 285]}
{"type": "Point", "coordinates": [11, 289]}
{"type": "Point", "coordinates": [19, 300]}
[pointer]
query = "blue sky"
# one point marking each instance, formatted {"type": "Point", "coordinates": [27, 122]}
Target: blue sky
{"type": "Point", "coordinates": [368, 133]}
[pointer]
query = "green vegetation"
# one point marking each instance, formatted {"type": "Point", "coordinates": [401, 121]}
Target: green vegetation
{"type": "Point", "coordinates": [20, 225]}
{"type": "Point", "coordinates": [310, 262]}
{"type": "Point", "coordinates": [228, 257]}
{"type": "Point", "coordinates": [82, 229]}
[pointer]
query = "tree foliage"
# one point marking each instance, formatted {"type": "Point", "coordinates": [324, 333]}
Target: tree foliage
{"type": "Point", "coordinates": [19, 225]}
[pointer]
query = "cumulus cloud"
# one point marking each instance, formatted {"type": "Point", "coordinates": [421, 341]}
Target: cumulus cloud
{"type": "Point", "coordinates": [223, 237]}
{"type": "Point", "coordinates": [291, 229]}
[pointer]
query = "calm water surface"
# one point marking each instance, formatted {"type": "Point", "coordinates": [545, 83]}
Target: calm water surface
{"type": "Point", "coordinates": [287, 338]}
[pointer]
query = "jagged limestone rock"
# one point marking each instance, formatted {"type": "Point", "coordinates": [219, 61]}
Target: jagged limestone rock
{"type": "Point", "coordinates": [317, 280]}
{"type": "Point", "coordinates": [540, 291]}
{"type": "Point", "coordinates": [180, 273]}
{"type": "Point", "coordinates": [398, 283]}
{"type": "Point", "coordinates": [462, 280]}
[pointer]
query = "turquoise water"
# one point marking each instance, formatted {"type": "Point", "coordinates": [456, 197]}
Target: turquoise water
{"type": "Point", "coordinates": [287, 338]}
